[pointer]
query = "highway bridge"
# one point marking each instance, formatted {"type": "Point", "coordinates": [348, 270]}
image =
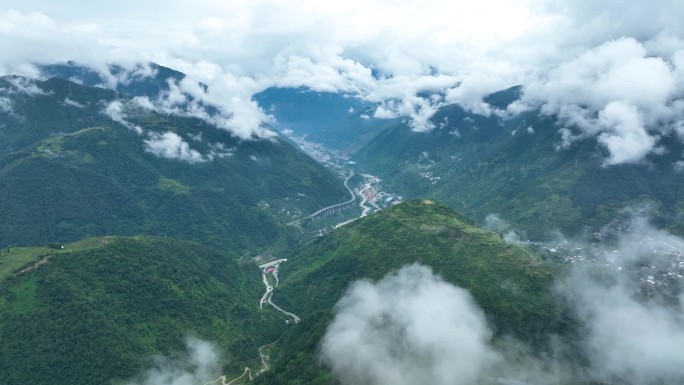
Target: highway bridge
{"type": "Point", "coordinates": [330, 210]}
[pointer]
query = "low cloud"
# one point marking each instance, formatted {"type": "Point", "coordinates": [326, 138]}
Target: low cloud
{"type": "Point", "coordinates": [410, 327]}
{"type": "Point", "coordinates": [22, 85]}
{"type": "Point", "coordinates": [6, 105]}
{"type": "Point", "coordinates": [616, 92]}
{"type": "Point", "coordinates": [171, 146]}
{"type": "Point", "coordinates": [115, 111]}
{"type": "Point", "coordinates": [73, 103]}
{"type": "Point", "coordinates": [418, 111]}
{"type": "Point", "coordinates": [236, 114]}
{"type": "Point", "coordinates": [201, 365]}
{"type": "Point", "coordinates": [496, 224]}
{"type": "Point", "coordinates": [631, 307]}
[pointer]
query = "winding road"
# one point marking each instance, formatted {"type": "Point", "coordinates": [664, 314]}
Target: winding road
{"type": "Point", "coordinates": [272, 268]}
{"type": "Point", "coordinates": [362, 204]}
{"type": "Point", "coordinates": [248, 371]}
{"type": "Point", "coordinates": [365, 208]}
{"type": "Point", "coordinates": [339, 205]}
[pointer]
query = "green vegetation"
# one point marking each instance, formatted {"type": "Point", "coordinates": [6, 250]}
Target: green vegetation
{"type": "Point", "coordinates": [70, 172]}
{"type": "Point", "coordinates": [12, 258]}
{"type": "Point", "coordinates": [517, 168]}
{"type": "Point", "coordinates": [507, 281]}
{"type": "Point", "coordinates": [99, 315]}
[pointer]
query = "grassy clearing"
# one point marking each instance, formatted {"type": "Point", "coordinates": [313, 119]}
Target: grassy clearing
{"type": "Point", "coordinates": [13, 258]}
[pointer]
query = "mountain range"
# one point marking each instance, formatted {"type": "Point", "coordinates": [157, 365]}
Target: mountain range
{"type": "Point", "coordinates": [513, 167]}
{"type": "Point", "coordinates": [84, 161]}
{"type": "Point", "coordinates": [140, 226]}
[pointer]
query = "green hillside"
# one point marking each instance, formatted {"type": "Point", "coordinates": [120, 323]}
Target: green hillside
{"type": "Point", "coordinates": [100, 314]}
{"type": "Point", "coordinates": [70, 172]}
{"type": "Point", "coordinates": [515, 168]}
{"type": "Point", "coordinates": [508, 282]}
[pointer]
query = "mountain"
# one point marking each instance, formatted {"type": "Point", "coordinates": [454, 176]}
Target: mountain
{"type": "Point", "coordinates": [148, 79]}
{"type": "Point", "coordinates": [517, 169]}
{"type": "Point", "coordinates": [339, 121]}
{"type": "Point", "coordinates": [99, 311]}
{"type": "Point", "coordinates": [80, 161]}
{"type": "Point", "coordinates": [510, 283]}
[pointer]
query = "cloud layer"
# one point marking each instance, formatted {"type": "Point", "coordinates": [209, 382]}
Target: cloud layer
{"type": "Point", "coordinates": [617, 92]}
{"type": "Point", "coordinates": [610, 70]}
{"type": "Point", "coordinates": [412, 327]}
{"type": "Point", "coordinates": [634, 334]}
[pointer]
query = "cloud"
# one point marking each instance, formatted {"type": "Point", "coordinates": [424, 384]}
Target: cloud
{"type": "Point", "coordinates": [73, 103]}
{"type": "Point", "coordinates": [494, 223]}
{"type": "Point", "coordinates": [624, 135]}
{"type": "Point", "coordinates": [6, 105]}
{"type": "Point", "coordinates": [171, 146]}
{"type": "Point", "coordinates": [200, 366]}
{"type": "Point", "coordinates": [419, 111]}
{"type": "Point", "coordinates": [115, 111]}
{"type": "Point", "coordinates": [633, 334]}
{"type": "Point", "coordinates": [615, 92]}
{"type": "Point", "coordinates": [20, 84]}
{"type": "Point", "coordinates": [410, 327]}
{"type": "Point", "coordinates": [460, 50]}
{"type": "Point", "coordinates": [238, 115]}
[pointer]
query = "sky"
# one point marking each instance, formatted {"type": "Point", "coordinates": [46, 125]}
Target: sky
{"type": "Point", "coordinates": [613, 70]}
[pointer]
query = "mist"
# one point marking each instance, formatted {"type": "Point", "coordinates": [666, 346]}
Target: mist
{"type": "Point", "coordinates": [410, 327]}
{"type": "Point", "coordinates": [199, 366]}
{"type": "Point", "coordinates": [630, 306]}
{"type": "Point", "coordinates": [413, 327]}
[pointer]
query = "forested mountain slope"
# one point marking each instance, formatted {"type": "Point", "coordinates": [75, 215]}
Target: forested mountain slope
{"type": "Point", "coordinates": [518, 169]}
{"type": "Point", "coordinates": [508, 282]}
{"type": "Point", "coordinates": [81, 161]}
{"type": "Point", "coordinates": [101, 314]}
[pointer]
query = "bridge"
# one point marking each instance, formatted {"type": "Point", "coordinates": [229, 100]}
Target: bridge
{"type": "Point", "coordinates": [331, 210]}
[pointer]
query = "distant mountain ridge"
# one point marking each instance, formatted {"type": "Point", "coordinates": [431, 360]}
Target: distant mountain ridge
{"type": "Point", "coordinates": [516, 169]}
{"type": "Point", "coordinates": [79, 161]}
{"type": "Point", "coordinates": [147, 79]}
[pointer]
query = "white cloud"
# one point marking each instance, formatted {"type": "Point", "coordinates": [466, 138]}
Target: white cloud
{"type": "Point", "coordinates": [625, 136]}
{"type": "Point", "coordinates": [632, 337]}
{"type": "Point", "coordinates": [6, 105]}
{"type": "Point", "coordinates": [236, 114]}
{"type": "Point", "coordinates": [384, 113]}
{"type": "Point", "coordinates": [115, 111]}
{"type": "Point", "coordinates": [410, 327]}
{"type": "Point", "coordinates": [20, 84]}
{"type": "Point", "coordinates": [200, 366]}
{"type": "Point", "coordinates": [73, 103]}
{"type": "Point", "coordinates": [471, 49]}
{"type": "Point", "coordinates": [614, 92]}
{"type": "Point", "coordinates": [171, 146]}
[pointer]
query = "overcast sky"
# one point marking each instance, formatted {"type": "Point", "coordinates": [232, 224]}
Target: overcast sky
{"type": "Point", "coordinates": [469, 48]}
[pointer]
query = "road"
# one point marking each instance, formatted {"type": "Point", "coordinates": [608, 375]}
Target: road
{"type": "Point", "coordinates": [248, 371]}
{"type": "Point", "coordinates": [365, 208]}
{"type": "Point", "coordinates": [362, 204]}
{"type": "Point", "coordinates": [351, 199]}
{"type": "Point", "coordinates": [266, 298]}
